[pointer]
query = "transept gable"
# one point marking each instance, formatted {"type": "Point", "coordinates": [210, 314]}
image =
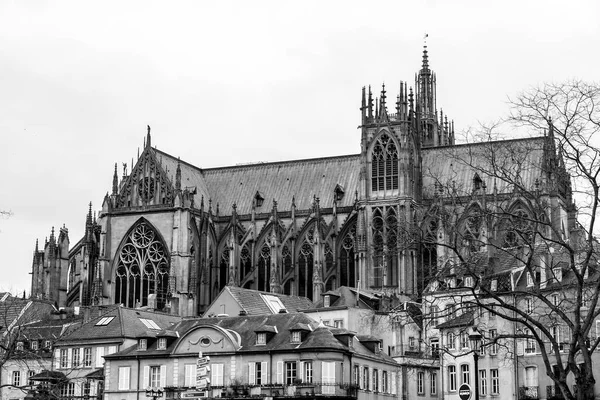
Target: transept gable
{"type": "Point", "coordinates": [147, 185]}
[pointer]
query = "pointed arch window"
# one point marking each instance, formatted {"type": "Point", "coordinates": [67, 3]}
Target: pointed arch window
{"type": "Point", "coordinates": [378, 249]}
{"type": "Point", "coordinates": [305, 269]}
{"type": "Point", "coordinates": [287, 259]}
{"type": "Point", "coordinates": [71, 275]}
{"type": "Point", "coordinates": [518, 228]}
{"type": "Point", "coordinates": [245, 261]}
{"type": "Point", "coordinates": [384, 164]}
{"type": "Point", "coordinates": [347, 272]}
{"type": "Point", "coordinates": [264, 268]}
{"type": "Point", "coordinates": [472, 238]}
{"type": "Point", "coordinates": [391, 226]}
{"type": "Point", "coordinates": [142, 269]}
{"type": "Point", "coordinates": [429, 250]}
{"type": "Point", "coordinates": [224, 268]}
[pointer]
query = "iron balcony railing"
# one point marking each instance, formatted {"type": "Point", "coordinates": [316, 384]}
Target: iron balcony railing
{"type": "Point", "coordinates": [553, 393]}
{"type": "Point", "coordinates": [528, 393]}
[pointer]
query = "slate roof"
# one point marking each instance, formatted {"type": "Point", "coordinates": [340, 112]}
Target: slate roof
{"type": "Point", "coordinates": [253, 303]}
{"type": "Point", "coordinates": [346, 297]}
{"type": "Point", "coordinates": [281, 181]}
{"type": "Point", "coordinates": [18, 311]}
{"type": "Point", "coordinates": [125, 324]}
{"type": "Point", "coordinates": [321, 337]}
{"type": "Point", "coordinates": [516, 159]}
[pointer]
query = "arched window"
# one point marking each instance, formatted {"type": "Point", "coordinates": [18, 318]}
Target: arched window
{"type": "Point", "coordinates": [264, 268]}
{"type": "Point", "coordinates": [245, 261]}
{"type": "Point", "coordinates": [378, 255]}
{"type": "Point", "coordinates": [71, 275]}
{"type": "Point", "coordinates": [142, 269]}
{"type": "Point", "coordinates": [347, 272]}
{"type": "Point", "coordinates": [384, 164]}
{"type": "Point", "coordinates": [472, 239]}
{"type": "Point", "coordinates": [305, 270]}
{"type": "Point", "coordinates": [429, 250]}
{"type": "Point", "coordinates": [517, 228]}
{"type": "Point", "coordinates": [223, 268]}
{"type": "Point", "coordinates": [391, 226]}
{"type": "Point", "coordinates": [329, 265]}
{"type": "Point", "coordinates": [287, 259]}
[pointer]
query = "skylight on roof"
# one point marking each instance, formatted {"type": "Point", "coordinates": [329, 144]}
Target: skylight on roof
{"type": "Point", "coordinates": [149, 323]}
{"type": "Point", "coordinates": [273, 302]}
{"type": "Point", "coordinates": [104, 321]}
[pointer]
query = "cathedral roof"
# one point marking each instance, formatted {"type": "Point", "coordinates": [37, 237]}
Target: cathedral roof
{"type": "Point", "coordinates": [279, 181]}
{"type": "Point", "coordinates": [498, 163]}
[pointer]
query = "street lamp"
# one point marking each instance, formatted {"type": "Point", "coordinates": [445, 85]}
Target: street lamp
{"type": "Point", "coordinates": [475, 338]}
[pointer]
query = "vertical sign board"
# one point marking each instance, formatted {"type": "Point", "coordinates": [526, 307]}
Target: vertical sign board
{"type": "Point", "coordinates": [202, 371]}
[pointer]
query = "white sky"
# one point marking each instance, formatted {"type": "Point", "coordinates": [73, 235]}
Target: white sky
{"type": "Point", "coordinates": [222, 83]}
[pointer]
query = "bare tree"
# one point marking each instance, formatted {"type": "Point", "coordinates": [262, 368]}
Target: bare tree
{"type": "Point", "coordinates": [508, 238]}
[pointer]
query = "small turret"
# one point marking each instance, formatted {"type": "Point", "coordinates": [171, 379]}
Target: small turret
{"type": "Point", "coordinates": [115, 185]}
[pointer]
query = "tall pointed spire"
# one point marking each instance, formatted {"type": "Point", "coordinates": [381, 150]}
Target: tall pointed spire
{"type": "Point", "coordinates": [148, 143]}
{"type": "Point", "coordinates": [115, 187]}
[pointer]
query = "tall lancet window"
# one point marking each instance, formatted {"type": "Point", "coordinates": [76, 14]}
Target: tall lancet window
{"type": "Point", "coordinates": [347, 272]}
{"type": "Point", "coordinates": [305, 265]}
{"type": "Point", "coordinates": [142, 269]}
{"type": "Point", "coordinates": [384, 164]}
{"type": "Point", "coordinates": [264, 268]}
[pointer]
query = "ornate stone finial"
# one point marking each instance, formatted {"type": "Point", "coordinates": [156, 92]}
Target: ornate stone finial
{"type": "Point", "coordinates": [115, 187]}
{"type": "Point", "coordinates": [124, 169]}
{"type": "Point", "coordinates": [36, 246]}
{"type": "Point", "coordinates": [148, 139]}
{"type": "Point", "coordinates": [425, 57]}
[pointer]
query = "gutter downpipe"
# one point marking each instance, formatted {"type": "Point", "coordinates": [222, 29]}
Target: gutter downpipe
{"type": "Point", "coordinates": [138, 374]}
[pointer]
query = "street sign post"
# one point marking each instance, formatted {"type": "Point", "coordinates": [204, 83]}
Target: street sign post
{"type": "Point", "coordinates": [464, 392]}
{"type": "Point", "coordinates": [202, 371]}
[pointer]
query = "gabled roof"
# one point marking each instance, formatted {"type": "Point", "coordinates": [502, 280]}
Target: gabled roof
{"type": "Point", "coordinates": [125, 323]}
{"type": "Point", "coordinates": [464, 319]}
{"type": "Point", "coordinates": [254, 302]}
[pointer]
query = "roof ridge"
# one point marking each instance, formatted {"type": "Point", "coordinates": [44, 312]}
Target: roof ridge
{"type": "Point", "coordinates": [533, 138]}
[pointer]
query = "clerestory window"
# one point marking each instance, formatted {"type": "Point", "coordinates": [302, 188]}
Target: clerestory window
{"type": "Point", "coordinates": [384, 164]}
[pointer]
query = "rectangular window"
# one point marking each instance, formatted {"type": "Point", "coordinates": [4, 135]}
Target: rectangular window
{"type": "Point", "coordinates": [555, 300]}
{"type": "Point", "coordinates": [19, 346]}
{"type": "Point", "coordinates": [87, 388]}
{"type": "Point", "coordinates": [375, 376]}
{"type": "Point", "coordinates": [421, 383]}
{"type": "Point", "coordinates": [154, 376]}
{"type": "Point", "coordinates": [87, 357]}
{"type": "Point", "coordinates": [64, 358]}
{"type": "Point", "coordinates": [142, 344]}
{"type": "Point", "coordinates": [76, 358]}
{"type": "Point", "coordinates": [464, 340]}
{"type": "Point", "coordinates": [495, 381]}
{"type": "Point", "coordinates": [296, 337]}
{"type": "Point", "coordinates": [290, 372]}
{"type": "Point", "coordinates": [529, 343]}
{"type": "Point", "coordinates": [34, 345]}
{"type": "Point", "coordinates": [452, 378]}
{"type": "Point", "coordinates": [99, 356]}
{"type": "Point", "coordinates": [261, 338]}
{"type": "Point", "coordinates": [16, 378]}
{"type": "Point", "coordinates": [326, 301]}
{"type": "Point", "coordinates": [124, 378]}
{"type": "Point", "coordinates": [328, 377]}
{"type": "Point", "coordinates": [30, 373]}
{"type": "Point", "coordinates": [216, 375]}
{"type": "Point", "coordinates": [412, 342]}
{"type": "Point", "coordinates": [433, 383]}
{"type": "Point", "coordinates": [189, 379]}
{"type": "Point", "coordinates": [450, 341]}
{"type": "Point", "coordinates": [365, 378]}
{"type": "Point", "coordinates": [307, 371]}
{"type": "Point", "coordinates": [384, 382]}
{"type": "Point", "coordinates": [493, 345]}
{"type": "Point", "coordinates": [162, 343]}
{"type": "Point", "coordinates": [356, 375]}
{"type": "Point", "coordinates": [529, 305]}
{"type": "Point", "coordinates": [257, 373]}
{"type": "Point", "coordinates": [338, 323]}
{"type": "Point", "coordinates": [483, 382]}
{"type": "Point", "coordinates": [465, 376]}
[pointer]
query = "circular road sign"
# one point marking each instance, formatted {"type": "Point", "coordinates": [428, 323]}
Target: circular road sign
{"type": "Point", "coordinates": [464, 392]}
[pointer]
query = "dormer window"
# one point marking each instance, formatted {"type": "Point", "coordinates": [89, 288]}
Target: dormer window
{"type": "Point", "coordinates": [326, 301]}
{"type": "Point", "coordinates": [34, 345]}
{"type": "Point", "coordinates": [47, 344]}
{"type": "Point", "coordinates": [468, 282]}
{"type": "Point", "coordinates": [258, 199]}
{"type": "Point", "coordinates": [19, 346]}
{"type": "Point", "coordinates": [142, 344]}
{"type": "Point", "coordinates": [162, 343]}
{"type": "Point", "coordinates": [261, 338]}
{"type": "Point", "coordinates": [557, 274]}
{"type": "Point", "coordinates": [477, 182]}
{"type": "Point", "coordinates": [494, 285]}
{"type": "Point", "coordinates": [296, 337]}
{"type": "Point", "coordinates": [339, 192]}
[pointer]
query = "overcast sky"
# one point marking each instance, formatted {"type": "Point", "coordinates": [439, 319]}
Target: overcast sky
{"type": "Point", "coordinates": [222, 83]}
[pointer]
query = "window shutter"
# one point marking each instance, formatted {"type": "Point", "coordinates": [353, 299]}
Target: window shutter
{"type": "Point", "coordinates": [146, 382]}
{"type": "Point", "coordinates": [360, 377]}
{"type": "Point", "coordinates": [99, 356]}
{"type": "Point", "coordinates": [301, 372]}
{"type": "Point", "coordinates": [252, 373]}
{"type": "Point", "coordinates": [520, 347]}
{"type": "Point", "coordinates": [280, 372]}
{"type": "Point", "coordinates": [163, 376]}
{"type": "Point", "coordinates": [56, 358]}
{"type": "Point", "coordinates": [69, 357]}
{"type": "Point", "coordinates": [264, 376]}
{"type": "Point", "coordinates": [393, 381]}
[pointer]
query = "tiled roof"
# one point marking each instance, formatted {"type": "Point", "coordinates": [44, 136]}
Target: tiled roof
{"type": "Point", "coordinates": [282, 181]}
{"type": "Point", "coordinates": [253, 302]}
{"type": "Point", "coordinates": [126, 323]}
{"type": "Point", "coordinates": [346, 297]}
{"type": "Point", "coordinates": [516, 160]}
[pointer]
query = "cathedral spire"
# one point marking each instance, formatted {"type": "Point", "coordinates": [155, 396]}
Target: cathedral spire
{"type": "Point", "coordinates": [115, 186]}
{"type": "Point", "coordinates": [370, 105]}
{"type": "Point", "coordinates": [148, 143]}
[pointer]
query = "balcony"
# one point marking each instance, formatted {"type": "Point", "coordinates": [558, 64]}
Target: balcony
{"type": "Point", "coordinates": [553, 393]}
{"type": "Point", "coordinates": [415, 351]}
{"type": "Point", "coordinates": [528, 393]}
{"type": "Point", "coordinates": [308, 391]}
